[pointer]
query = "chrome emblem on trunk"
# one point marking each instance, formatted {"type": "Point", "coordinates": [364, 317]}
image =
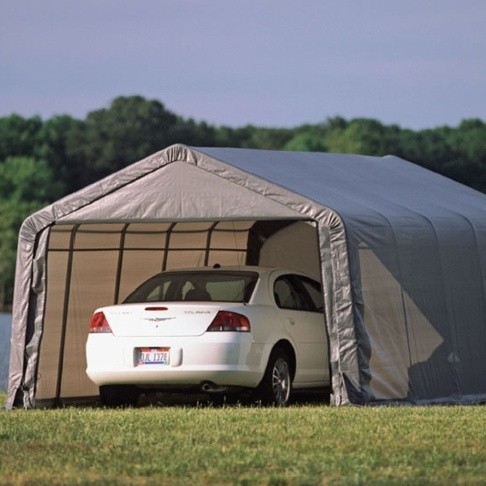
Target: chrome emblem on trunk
{"type": "Point", "coordinates": [158, 319]}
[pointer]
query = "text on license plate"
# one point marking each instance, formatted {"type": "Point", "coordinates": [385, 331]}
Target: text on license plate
{"type": "Point", "coordinates": [153, 356]}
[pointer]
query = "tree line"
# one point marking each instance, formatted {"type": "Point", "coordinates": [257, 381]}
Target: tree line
{"type": "Point", "coordinates": [43, 160]}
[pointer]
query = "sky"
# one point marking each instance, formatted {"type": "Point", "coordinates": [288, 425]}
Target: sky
{"type": "Point", "coordinates": [277, 63]}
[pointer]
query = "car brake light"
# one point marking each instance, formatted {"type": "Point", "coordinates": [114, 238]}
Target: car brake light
{"type": "Point", "coordinates": [229, 321]}
{"type": "Point", "coordinates": [99, 324]}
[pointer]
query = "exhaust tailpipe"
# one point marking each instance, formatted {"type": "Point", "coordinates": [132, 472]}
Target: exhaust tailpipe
{"type": "Point", "coordinates": [210, 387]}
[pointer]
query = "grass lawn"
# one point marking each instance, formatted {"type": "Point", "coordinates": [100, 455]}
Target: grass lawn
{"type": "Point", "coordinates": [200, 444]}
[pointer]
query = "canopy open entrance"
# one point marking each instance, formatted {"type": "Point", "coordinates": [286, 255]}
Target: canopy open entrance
{"type": "Point", "coordinates": [90, 265]}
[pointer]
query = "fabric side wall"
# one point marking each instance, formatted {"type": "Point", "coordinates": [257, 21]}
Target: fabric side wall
{"type": "Point", "coordinates": [29, 297]}
{"type": "Point", "coordinates": [342, 316]}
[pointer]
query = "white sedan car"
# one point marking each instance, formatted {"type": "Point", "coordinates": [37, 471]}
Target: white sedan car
{"type": "Point", "coordinates": [218, 329]}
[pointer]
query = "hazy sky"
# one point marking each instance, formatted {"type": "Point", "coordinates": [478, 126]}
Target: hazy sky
{"type": "Point", "coordinates": [417, 63]}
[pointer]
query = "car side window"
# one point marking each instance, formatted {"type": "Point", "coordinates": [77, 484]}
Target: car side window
{"type": "Point", "coordinates": [297, 292]}
{"type": "Point", "coordinates": [286, 294]}
{"type": "Point", "coordinates": [314, 293]}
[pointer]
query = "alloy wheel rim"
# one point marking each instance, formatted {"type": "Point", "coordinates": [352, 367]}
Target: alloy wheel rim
{"type": "Point", "coordinates": [281, 381]}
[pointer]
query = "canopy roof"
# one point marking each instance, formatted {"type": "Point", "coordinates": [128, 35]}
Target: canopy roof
{"type": "Point", "coordinates": [401, 252]}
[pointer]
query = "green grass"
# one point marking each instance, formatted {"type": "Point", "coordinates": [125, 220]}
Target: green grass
{"type": "Point", "coordinates": [301, 444]}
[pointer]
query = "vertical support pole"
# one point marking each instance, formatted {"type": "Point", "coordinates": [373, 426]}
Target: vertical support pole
{"type": "Point", "coordinates": [121, 252]}
{"type": "Point", "coordinates": [208, 243]}
{"type": "Point", "coordinates": [167, 245]}
{"type": "Point", "coordinates": [67, 291]}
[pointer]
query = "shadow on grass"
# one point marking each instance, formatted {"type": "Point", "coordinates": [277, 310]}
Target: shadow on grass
{"type": "Point", "coordinates": [169, 399]}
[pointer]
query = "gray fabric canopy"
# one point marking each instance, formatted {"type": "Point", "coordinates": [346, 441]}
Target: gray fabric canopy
{"type": "Point", "coordinates": [401, 252]}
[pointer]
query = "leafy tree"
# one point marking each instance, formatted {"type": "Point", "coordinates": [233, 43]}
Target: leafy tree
{"type": "Point", "coordinates": [360, 136]}
{"type": "Point", "coordinates": [336, 123]}
{"type": "Point", "coordinates": [266, 138]}
{"type": "Point", "coordinates": [234, 137]}
{"type": "Point", "coordinates": [18, 135]}
{"type": "Point", "coordinates": [60, 140]}
{"type": "Point", "coordinates": [27, 179]}
{"type": "Point", "coordinates": [468, 144]}
{"type": "Point", "coordinates": [25, 186]}
{"type": "Point", "coordinates": [12, 213]}
{"type": "Point", "coordinates": [458, 153]}
{"type": "Point", "coordinates": [306, 142]}
{"type": "Point", "coordinates": [192, 133]}
{"type": "Point", "coordinates": [130, 129]}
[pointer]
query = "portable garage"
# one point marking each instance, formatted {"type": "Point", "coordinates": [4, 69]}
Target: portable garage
{"type": "Point", "coordinates": [401, 252]}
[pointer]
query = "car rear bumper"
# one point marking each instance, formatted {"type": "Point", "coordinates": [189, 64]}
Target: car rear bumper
{"type": "Point", "coordinates": [224, 359]}
{"type": "Point", "coordinates": [183, 377]}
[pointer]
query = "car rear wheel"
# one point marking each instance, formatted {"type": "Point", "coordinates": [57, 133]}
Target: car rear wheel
{"type": "Point", "coordinates": [119, 395]}
{"type": "Point", "coordinates": [276, 385]}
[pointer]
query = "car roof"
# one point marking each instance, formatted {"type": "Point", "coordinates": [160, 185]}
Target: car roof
{"type": "Point", "coordinates": [232, 268]}
{"type": "Point", "coordinates": [261, 270]}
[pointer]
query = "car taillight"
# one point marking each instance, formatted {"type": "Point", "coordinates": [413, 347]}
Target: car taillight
{"type": "Point", "coordinates": [229, 321]}
{"type": "Point", "coordinates": [98, 323]}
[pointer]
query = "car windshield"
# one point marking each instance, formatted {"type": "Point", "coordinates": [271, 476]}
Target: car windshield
{"type": "Point", "coordinates": [218, 286]}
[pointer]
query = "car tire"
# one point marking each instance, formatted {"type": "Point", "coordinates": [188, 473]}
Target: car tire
{"type": "Point", "coordinates": [276, 385]}
{"type": "Point", "coordinates": [119, 395]}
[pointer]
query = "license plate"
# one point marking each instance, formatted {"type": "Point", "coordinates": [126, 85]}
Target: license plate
{"type": "Point", "coordinates": [153, 356]}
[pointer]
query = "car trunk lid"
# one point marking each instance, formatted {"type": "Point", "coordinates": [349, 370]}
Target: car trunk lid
{"type": "Point", "coordinates": [166, 319]}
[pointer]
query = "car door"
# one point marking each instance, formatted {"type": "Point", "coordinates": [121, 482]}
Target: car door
{"type": "Point", "coordinates": [299, 300]}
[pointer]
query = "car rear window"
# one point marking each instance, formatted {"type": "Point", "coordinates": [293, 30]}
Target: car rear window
{"type": "Point", "coordinates": [217, 286]}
